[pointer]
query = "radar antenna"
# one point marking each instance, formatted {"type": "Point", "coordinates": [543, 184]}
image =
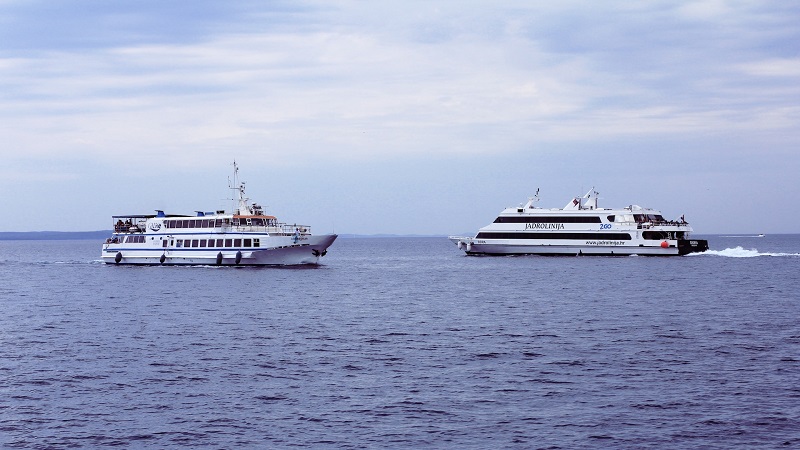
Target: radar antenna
{"type": "Point", "coordinates": [533, 200]}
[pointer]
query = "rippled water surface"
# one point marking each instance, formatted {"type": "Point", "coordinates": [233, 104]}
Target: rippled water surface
{"type": "Point", "coordinates": [403, 342]}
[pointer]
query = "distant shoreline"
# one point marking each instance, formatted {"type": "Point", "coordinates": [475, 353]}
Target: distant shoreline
{"type": "Point", "coordinates": [52, 235]}
{"type": "Point", "coordinates": [90, 235]}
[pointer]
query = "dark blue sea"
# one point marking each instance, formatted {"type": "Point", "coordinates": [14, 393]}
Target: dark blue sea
{"type": "Point", "coordinates": [403, 343]}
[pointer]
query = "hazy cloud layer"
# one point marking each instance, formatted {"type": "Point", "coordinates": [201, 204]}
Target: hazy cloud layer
{"type": "Point", "coordinates": [338, 109]}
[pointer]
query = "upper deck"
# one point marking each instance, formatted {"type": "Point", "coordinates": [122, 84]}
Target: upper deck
{"type": "Point", "coordinates": [246, 217]}
{"type": "Point", "coordinates": [164, 224]}
{"type": "Point", "coordinates": [584, 211]}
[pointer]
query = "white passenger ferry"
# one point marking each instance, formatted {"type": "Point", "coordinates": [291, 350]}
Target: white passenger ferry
{"type": "Point", "coordinates": [246, 236]}
{"type": "Point", "coordinates": [582, 228]}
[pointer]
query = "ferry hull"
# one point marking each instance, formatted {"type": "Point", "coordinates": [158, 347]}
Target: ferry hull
{"type": "Point", "coordinates": [582, 228]}
{"type": "Point", "coordinates": [308, 252]}
{"type": "Point", "coordinates": [674, 248]}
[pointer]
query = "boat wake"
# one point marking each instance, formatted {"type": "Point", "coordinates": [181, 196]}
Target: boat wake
{"type": "Point", "coordinates": [740, 252]}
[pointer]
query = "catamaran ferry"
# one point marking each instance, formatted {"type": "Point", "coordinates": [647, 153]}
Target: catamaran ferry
{"type": "Point", "coordinates": [582, 228]}
{"type": "Point", "coordinates": [244, 237]}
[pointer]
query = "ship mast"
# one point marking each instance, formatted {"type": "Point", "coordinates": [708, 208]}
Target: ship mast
{"type": "Point", "coordinates": [243, 207]}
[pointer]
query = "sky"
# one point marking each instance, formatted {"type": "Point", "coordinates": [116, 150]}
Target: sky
{"type": "Point", "coordinates": [399, 117]}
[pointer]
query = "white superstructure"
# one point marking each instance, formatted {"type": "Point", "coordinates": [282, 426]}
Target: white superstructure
{"type": "Point", "coordinates": [582, 228]}
{"type": "Point", "coordinates": [245, 236]}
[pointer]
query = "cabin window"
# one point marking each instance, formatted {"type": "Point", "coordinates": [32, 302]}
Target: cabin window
{"type": "Point", "coordinates": [654, 235]}
{"type": "Point", "coordinates": [237, 242]}
{"type": "Point", "coordinates": [202, 242]}
{"type": "Point", "coordinates": [228, 242]}
{"type": "Point", "coordinates": [220, 243]}
{"type": "Point", "coordinates": [256, 243]}
{"type": "Point", "coordinates": [611, 218]}
{"type": "Point", "coordinates": [164, 243]}
{"type": "Point", "coordinates": [547, 219]}
{"type": "Point", "coordinates": [248, 242]}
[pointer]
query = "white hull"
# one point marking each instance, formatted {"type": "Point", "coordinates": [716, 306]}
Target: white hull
{"type": "Point", "coordinates": [562, 249]}
{"type": "Point", "coordinates": [307, 251]}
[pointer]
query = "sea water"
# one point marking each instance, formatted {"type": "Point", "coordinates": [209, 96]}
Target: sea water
{"type": "Point", "coordinates": [401, 343]}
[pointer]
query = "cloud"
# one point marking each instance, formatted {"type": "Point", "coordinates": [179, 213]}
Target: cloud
{"type": "Point", "coordinates": [355, 85]}
{"type": "Point", "coordinates": [135, 86]}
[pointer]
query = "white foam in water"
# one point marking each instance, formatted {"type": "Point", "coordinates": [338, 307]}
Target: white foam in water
{"type": "Point", "coordinates": [740, 252]}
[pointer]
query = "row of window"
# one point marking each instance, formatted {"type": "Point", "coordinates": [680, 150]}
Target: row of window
{"type": "Point", "coordinates": [226, 222]}
{"type": "Point", "coordinates": [581, 236]}
{"type": "Point", "coordinates": [137, 239]}
{"type": "Point", "coordinates": [659, 235]}
{"type": "Point", "coordinates": [199, 243]}
{"type": "Point", "coordinates": [639, 218]}
{"type": "Point", "coordinates": [548, 219]}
